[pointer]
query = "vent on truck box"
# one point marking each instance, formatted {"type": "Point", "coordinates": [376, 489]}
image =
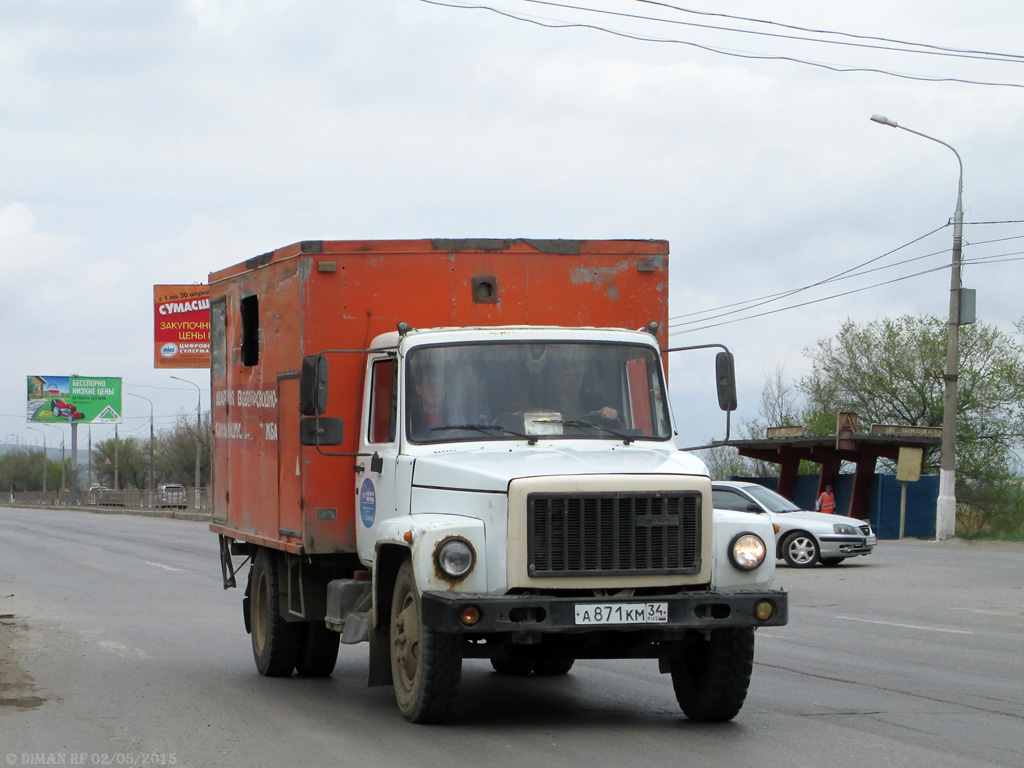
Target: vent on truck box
{"type": "Point", "coordinates": [604, 534]}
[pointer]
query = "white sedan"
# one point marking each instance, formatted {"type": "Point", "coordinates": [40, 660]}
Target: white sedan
{"type": "Point", "coordinates": [803, 538]}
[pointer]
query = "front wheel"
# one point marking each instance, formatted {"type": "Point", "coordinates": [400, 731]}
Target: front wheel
{"type": "Point", "coordinates": [426, 665]}
{"type": "Point", "coordinates": [711, 679]}
{"type": "Point", "coordinates": [800, 550]}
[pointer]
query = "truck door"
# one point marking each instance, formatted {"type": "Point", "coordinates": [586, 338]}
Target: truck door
{"type": "Point", "coordinates": [375, 474]}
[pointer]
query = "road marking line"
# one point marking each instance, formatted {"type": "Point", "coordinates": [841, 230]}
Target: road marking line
{"type": "Point", "coordinates": [98, 566]}
{"type": "Point", "coordinates": [908, 626]}
{"type": "Point", "coordinates": [161, 565]}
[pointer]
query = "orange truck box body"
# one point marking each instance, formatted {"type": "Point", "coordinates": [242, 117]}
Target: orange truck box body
{"type": "Point", "coordinates": [338, 295]}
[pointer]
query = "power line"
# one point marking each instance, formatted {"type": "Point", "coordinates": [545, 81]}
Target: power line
{"type": "Point", "coordinates": [998, 259]}
{"type": "Point", "coordinates": [720, 51]}
{"type": "Point", "coordinates": [813, 31]}
{"type": "Point", "coordinates": [851, 272]}
{"type": "Point", "coordinates": [928, 50]}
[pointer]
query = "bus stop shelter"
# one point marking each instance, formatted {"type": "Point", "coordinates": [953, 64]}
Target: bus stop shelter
{"type": "Point", "coordinates": [788, 446]}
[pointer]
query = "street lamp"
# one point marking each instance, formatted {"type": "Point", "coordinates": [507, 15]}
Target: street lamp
{"type": "Point", "coordinates": [945, 512]}
{"type": "Point", "coordinates": [199, 429]}
{"type": "Point", "coordinates": [152, 478]}
{"type": "Point", "coordinates": [34, 429]}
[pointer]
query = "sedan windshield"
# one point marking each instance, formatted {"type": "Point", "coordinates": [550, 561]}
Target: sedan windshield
{"type": "Point", "coordinates": [534, 390]}
{"type": "Point", "coordinates": [771, 500]}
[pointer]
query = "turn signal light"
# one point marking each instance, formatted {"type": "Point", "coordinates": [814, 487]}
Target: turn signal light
{"type": "Point", "coordinates": [469, 615]}
{"type": "Point", "coordinates": [764, 610]}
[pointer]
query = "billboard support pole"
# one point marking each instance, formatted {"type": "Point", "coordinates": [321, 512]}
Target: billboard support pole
{"type": "Point", "coordinates": [74, 464]}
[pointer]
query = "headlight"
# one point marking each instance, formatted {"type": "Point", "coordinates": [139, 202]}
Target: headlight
{"type": "Point", "coordinates": [747, 551]}
{"type": "Point", "coordinates": [455, 558]}
{"type": "Point", "coordinates": [845, 530]}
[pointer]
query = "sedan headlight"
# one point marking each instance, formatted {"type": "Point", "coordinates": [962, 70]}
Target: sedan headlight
{"type": "Point", "coordinates": [747, 551]}
{"type": "Point", "coordinates": [845, 530]}
{"type": "Point", "coordinates": [455, 558]}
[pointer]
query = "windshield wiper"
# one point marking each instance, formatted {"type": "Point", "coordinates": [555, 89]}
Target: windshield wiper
{"type": "Point", "coordinates": [481, 428]}
{"type": "Point", "coordinates": [626, 439]}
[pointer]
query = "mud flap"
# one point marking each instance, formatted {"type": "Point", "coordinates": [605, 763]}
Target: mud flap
{"type": "Point", "coordinates": [380, 658]}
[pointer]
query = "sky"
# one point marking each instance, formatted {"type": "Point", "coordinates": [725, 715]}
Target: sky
{"type": "Point", "coordinates": [152, 143]}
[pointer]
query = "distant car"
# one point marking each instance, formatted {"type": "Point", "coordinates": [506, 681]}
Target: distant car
{"type": "Point", "coordinates": [802, 538]}
{"type": "Point", "coordinates": [96, 494]}
{"type": "Point", "coordinates": [172, 495]}
{"type": "Point", "coordinates": [101, 496]}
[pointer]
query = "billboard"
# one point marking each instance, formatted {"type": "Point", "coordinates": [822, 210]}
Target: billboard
{"type": "Point", "coordinates": [74, 399]}
{"type": "Point", "coordinates": [181, 330]}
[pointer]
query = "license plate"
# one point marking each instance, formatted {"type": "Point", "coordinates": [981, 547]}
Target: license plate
{"type": "Point", "coordinates": [621, 613]}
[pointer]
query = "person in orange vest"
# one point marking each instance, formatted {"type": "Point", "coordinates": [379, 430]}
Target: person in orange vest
{"type": "Point", "coordinates": [827, 501]}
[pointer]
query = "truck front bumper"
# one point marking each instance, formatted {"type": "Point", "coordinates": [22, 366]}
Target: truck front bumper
{"type": "Point", "coordinates": [502, 614]}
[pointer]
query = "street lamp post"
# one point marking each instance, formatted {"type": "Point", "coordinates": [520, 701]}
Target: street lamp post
{"type": "Point", "coordinates": [34, 429]}
{"type": "Point", "coordinates": [945, 513]}
{"type": "Point", "coordinates": [199, 429]}
{"type": "Point", "coordinates": [152, 477]}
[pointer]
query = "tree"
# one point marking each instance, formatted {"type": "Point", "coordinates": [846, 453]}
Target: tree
{"type": "Point", "coordinates": [176, 452]}
{"type": "Point", "coordinates": [890, 371]}
{"type": "Point", "coordinates": [778, 408]}
{"type": "Point", "coordinates": [132, 457]}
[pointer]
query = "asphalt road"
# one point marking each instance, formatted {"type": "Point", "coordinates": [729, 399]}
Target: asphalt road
{"type": "Point", "coordinates": [118, 646]}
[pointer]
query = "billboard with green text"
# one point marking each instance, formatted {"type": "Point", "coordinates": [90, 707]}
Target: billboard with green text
{"type": "Point", "coordinates": [74, 399]}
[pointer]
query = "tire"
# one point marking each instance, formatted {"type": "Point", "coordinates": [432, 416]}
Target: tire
{"type": "Point", "coordinates": [832, 562]}
{"type": "Point", "coordinates": [517, 667]}
{"type": "Point", "coordinates": [711, 680]}
{"type": "Point", "coordinates": [275, 642]}
{"type": "Point", "coordinates": [800, 550]}
{"type": "Point", "coordinates": [426, 665]}
{"type": "Point", "coordinates": [318, 650]}
{"type": "Point", "coordinates": [554, 666]}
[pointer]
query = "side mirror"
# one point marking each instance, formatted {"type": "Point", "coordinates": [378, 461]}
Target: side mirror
{"type": "Point", "coordinates": [321, 431]}
{"type": "Point", "coordinates": [725, 380]}
{"type": "Point", "coordinates": [313, 386]}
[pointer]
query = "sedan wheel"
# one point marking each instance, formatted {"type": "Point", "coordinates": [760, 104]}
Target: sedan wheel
{"type": "Point", "coordinates": [800, 550]}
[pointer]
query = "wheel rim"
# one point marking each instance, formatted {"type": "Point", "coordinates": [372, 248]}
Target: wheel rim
{"type": "Point", "coordinates": [406, 641]}
{"type": "Point", "coordinates": [802, 550]}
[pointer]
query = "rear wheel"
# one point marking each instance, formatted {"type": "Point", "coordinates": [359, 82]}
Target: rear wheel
{"type": "Point", "coordinates": [275, 642]}
{"type": "Point", "coordinates": [800, 550]}
{"type": "Point", "coordinates": [318, 650]}
{"type": "Point", "coordinates": [554, 666]}
{"type": "Point", "coordinates": [514, 666]}
{"type": "Point", "coordinates": [426, 665]}
{"type": "Point", "coordinates": [711, 680]}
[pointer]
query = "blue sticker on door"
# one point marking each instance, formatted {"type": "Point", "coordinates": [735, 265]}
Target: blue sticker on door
{"type": "Point", "coordinates": [367, 502]}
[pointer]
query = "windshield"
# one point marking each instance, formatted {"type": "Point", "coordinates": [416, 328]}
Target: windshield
{"type": "Point", "coordinates": [516, 390]}
{"type": "Point", "coordinates": [770, 499]}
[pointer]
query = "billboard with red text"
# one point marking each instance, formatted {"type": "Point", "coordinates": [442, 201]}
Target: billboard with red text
{"type": "Point", "coordinates": [181, 331]}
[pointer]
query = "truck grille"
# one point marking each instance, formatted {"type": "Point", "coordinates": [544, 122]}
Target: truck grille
{"type": "Point", "coordinates": [605, 534]}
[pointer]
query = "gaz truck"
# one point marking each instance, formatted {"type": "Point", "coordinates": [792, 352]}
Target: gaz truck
{"type": "Point", "coordinates": [464, 449]}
